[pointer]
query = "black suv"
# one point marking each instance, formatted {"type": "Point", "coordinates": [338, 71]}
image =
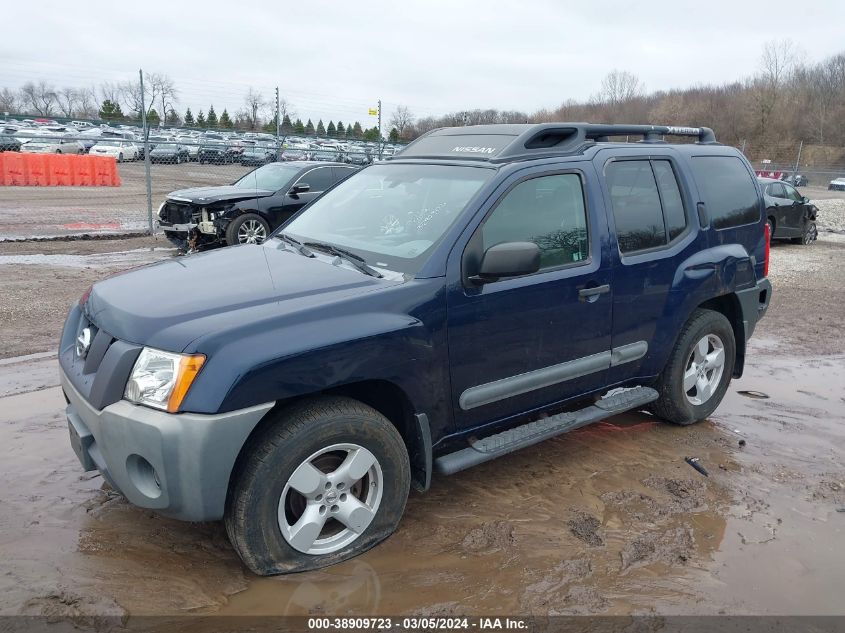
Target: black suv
{"type": "Point", "coordinates": [487, 288]}
{"type": "Point", "coordinates": [248, 210]}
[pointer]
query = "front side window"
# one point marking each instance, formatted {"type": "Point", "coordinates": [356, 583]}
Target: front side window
{"type": "Point", "coordinates": [548, 211]}
{"type": "Point", "coordinates": [727, 190]}
{"type": "Point", "coordinates": [392, 215]}
{"type": "Point", "coordinates": [776, 190]}
{"type": "Point", "coordinates": [317, 179]}
{"type": "Point", "coordinates": [791, 193]}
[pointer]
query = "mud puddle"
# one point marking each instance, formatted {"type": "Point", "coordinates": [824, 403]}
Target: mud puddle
{"type": "Point", "coordinates": [608, 519]}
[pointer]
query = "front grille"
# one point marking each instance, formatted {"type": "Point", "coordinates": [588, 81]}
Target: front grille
{"type": "Point", "coordinates": [177, 213]}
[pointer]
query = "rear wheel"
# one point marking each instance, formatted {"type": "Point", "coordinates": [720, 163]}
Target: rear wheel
{"type": "Point", "coordinates": [326, 482]}
{"type": "Point", "coordinates": [120, 157]}
{"type": "Point", "coordinates": [249, 228]}
{"type": "Point", "coordinates": [699, 370]}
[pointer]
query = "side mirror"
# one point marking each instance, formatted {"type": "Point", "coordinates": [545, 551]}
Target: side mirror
{"type": "Point", "coordinates": [805, 200]}
{"type": "Point", "coordinates": [508, 259]}
{"type": "Point", "coordinates": [299, 188]}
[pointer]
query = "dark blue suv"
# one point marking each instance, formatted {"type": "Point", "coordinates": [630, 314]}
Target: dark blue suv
{"type": "Point", "coordinates": [487, 288]}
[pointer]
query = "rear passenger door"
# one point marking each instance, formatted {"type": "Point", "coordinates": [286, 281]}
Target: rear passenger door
{"type": "Point", "coordinates": [650, 217]}
{"type": "Point", "coordinates": [526, 342]}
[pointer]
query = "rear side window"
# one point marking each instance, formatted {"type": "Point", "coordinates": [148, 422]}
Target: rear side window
{"type": "Point", "coordinates": [648, 210]}
{"type": "Point", "coordinates": [727, 189]}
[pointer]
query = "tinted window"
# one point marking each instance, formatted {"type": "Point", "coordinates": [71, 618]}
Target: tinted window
{"type": "Point", "coordinates": [342, 172]}
{"type": "Point", "coordinates": [319, 179]}
{"type": "Point", "coordinates": [727, 189]}
{"type": "Point", "coordinates": [636, 205]}
{"type": "Point", "coordinates": [776, 190]}
{"type": "Point", "coordinates": [670, 195]}
{"type": "Point", "coordinates": [791, 193]}
{"type": "Point", "coordinates": [548, 211]}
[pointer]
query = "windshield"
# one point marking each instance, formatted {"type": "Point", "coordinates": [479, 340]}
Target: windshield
{"type": "Point", "coordinates": [391, 215]}
{"type": "Point", "coordinates": [270, 177]}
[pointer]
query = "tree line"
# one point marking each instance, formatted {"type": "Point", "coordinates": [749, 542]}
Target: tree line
{"type": "Point", "coordinates": [786, 99]}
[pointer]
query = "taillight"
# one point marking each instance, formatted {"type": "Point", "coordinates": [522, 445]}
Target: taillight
{"type": "Point", "coordinates": [768, 236]}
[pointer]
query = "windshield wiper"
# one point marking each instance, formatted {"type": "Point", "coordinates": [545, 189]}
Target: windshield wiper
{"type": "Point", "coordinates": [356, 260]}
{"type": "Point", "coordinates": [297, 245]}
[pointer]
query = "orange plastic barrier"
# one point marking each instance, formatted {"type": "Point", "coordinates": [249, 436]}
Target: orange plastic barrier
{"type": "Point", "coordinates": [37, 169]}
{"type": "Point", "coordinates": [14, 169]}
{"type": "Point", "coordinates": [41, 170]}
{"type": "Point", "coordinates": [61, 169]}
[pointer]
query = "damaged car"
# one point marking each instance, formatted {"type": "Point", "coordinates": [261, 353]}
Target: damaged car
{"type": "Point", "coordinates": [248, 210]}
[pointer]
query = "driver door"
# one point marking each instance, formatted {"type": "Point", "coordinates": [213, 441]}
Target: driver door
{"type": "Point", "coordinates": [521, 343]}
{"type": "Point", "coordinates": [283, 205]}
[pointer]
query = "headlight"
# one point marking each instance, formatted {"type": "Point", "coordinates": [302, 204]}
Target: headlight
{"type": "Point", "coordinates": [161, 379]}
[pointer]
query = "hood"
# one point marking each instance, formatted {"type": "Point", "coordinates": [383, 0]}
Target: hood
{"type": "Point", "coordinates": [169, 304]}
{"type": "Point", "coordinates": [206, 195]}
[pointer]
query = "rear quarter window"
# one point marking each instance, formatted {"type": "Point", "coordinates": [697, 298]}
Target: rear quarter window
{"type": "Point", "coordinates": [727, 190]}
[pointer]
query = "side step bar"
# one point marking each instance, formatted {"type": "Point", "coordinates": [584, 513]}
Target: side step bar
{"type": "Point", "coordinates": [493, 446]}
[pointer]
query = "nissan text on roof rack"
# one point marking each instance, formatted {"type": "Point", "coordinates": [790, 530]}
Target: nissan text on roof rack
{"type": "Point", "coordinates": [483, 290]}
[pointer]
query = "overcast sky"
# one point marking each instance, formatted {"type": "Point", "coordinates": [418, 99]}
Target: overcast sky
{"type": "Point", "coordinates": [332, 60]}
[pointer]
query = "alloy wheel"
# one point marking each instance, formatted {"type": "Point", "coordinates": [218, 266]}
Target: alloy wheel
{"type": "Point", "coordinates": [704, 369]}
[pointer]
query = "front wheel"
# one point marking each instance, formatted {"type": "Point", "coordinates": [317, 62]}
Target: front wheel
{"type": "Point", "coordinates": [249, 228]}
{"type": "Point", "coordinates": [120, 157]}
{"type": "Point", "coordinates": [699, 369]}
{"type": "Point", "coordinates": [326, 481]}
{"type": "Point", "coordinates": [810, 234]}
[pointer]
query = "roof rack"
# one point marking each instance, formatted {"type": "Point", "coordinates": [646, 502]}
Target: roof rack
{"type": "Point", "coordinates": [501, 143]}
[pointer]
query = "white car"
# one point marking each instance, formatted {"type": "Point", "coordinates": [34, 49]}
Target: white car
{"type": "Point", "coordinates": [837, 184]}
{"type": "Point", "coordinates": [120, 150]}
{"type": "Point", "coordinates": [53, 145]}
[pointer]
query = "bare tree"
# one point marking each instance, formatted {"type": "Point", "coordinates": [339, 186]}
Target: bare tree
{"type": "Point", "coordinates": [110, 91]}
{"type": "Point", "coordinates": [618, 87]}
{"type": "Point", "coordinates": [777, 65]}
{"type": "Point", "coordinates": [87, 105]}
{"type": "Point", "coordinates": [156, 87]}
{"type": "Point", "coordinates": [254, 102]}
{"type": "Point", "coordinates": [41, 97]}
{"type": "Point", "coordinates": [166, 91]}
{"type": "Point", "coordinates": [68, 100]}
{"type": "Point", "coordinates": [10, 101]}
{"type": "Point", "coordinates": [401, 119]}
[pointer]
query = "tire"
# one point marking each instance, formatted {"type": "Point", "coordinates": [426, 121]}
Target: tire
{"type": "Point", "coordinates": [686, 406]}
{"type": "Point", "coordinates": [178, 159]}
{"type": "Point", "coordinates": [810, 232]}
{"type": "Point", "coordinates": [120, 157]}
{"type": "Point", "coordinates": [262, 504]}
{"type": "Point", "coordinates": [771, 224]}
{"type": "Point", "coordinates": [248, 228]}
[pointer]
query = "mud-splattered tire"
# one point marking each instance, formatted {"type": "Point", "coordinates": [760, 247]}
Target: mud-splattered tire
{"type": "Point", "coordinates": [678, 405]}
{"type": "Point", "coordinates": [264, 494]}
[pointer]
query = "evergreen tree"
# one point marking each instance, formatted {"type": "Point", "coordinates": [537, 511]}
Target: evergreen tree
{"type": "Point", "coordinates": [153, 118]}
{"type": "Point", "coordinates": [270, 126]}
{"type": "Point", "coordinates": [211, 117]}
{"type": "Point", "coordinates": [394, 135]}
{"type": "Point", "coordinates": [309, 128]}
{"type": "Point", "coordinates": [173, 117]}
{"type": "Point", "coordinates": [287, 126]}
{"type": "Point", "coordinates": [298, 127]}
{"type": "Point", "coordinates": [225, 119]}
{"type": "Point", "coordinates": [321, 129]}
{"type": "Point", "coordinates": [331, 130]}
{"type": "Point", "coordinates": [357, 131]}
{"type": "Point", "coordinates": [110, 111]}
{"type": "Point", "coordinates": [189, 118]}
{"type": "Point", "coordinates": [341, 131]}
{"type": "Point", "coordinates": [200, 119]}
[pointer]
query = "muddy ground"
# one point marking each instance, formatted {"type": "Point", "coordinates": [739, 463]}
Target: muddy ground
{"type": "Point", "coordinates": [605, 520]}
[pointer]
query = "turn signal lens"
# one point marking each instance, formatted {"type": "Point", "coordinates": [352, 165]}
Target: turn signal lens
{"type": "Point", "coordinates": [768, 249]}
{"type": "Point", "coordinates": [189, 367]}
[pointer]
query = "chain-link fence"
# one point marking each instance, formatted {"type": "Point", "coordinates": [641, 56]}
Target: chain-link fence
{"type": "Point", "coordinates": [804, 164]}
{"type": "Point", "coordinates": [148, 167]}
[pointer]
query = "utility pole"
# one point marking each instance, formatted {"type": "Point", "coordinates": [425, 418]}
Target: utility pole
{"type": "Point", "coordinates": [797, 163]}
{"type": "Point", "coordinates": [146, 155]}
{"type": "Point", "coordinates": [278, 127]}
{"type": "Point", "coordinates": [380, 145]}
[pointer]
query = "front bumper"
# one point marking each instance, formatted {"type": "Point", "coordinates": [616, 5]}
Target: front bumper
{"type": "Point", "coordinates": [176, 464]}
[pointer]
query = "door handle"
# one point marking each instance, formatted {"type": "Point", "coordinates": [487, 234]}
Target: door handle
{"type": "Point", "coordinates": [592, 294]}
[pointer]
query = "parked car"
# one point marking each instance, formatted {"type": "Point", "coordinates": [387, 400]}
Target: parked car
{"type": "Point", "coordinates": [257, 155]}
{"type": "Point", "coordinates": [789, 214]}
{"type": "Point", "coordinates": [52, 145]}
{"type": "Point", "coordinates": [294, 154]}
{"type": "Point", "coordinates": [247, 211]}
{"type": "Point", "coordinates": [359, 157]}
{"type": "Point", "coordinates": [169, 153]}
{"type": "Point", "coordinates": [325, 155]}
{"type": "Point", "coordinates": [215, 151]}
{"type": "Point", "coordinates": [493, 287]}
{"type": "Point", "coordinates": [9, 143]}
{"type": "Point", "coordinates": [119, 149]}
{"type": "Point", "coordinates": [192, 145]}
{"type": "Point", "coordinates": [797, 180]}
{"type": "Point", "coordinates": [837, 184]}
